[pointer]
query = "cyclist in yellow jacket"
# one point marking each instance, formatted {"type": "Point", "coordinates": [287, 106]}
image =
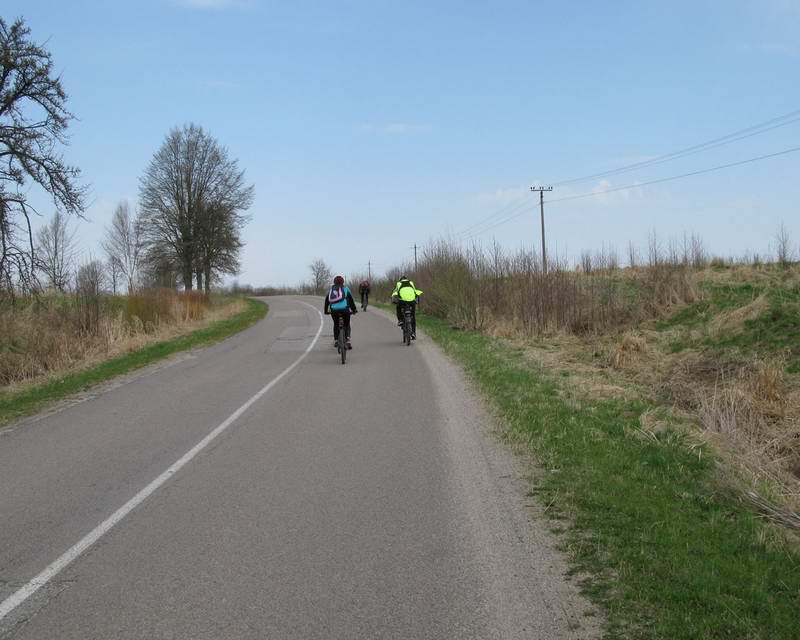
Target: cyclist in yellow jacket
{"type": "Point", "coordinates": [406, 294]}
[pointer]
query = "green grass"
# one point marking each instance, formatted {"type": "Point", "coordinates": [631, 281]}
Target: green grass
{"type": "Point", "coordinates": [776, 332]}
{"type": "Point", "coordinates": [716, 298]}
{"type": "Point", "coordinates": [668, 555]}
{"type": "Point", "coordinates": [22, 403]}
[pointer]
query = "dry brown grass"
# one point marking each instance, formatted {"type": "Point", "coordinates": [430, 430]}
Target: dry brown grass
{"type": "Point", "coordinates": [44, 339]}
{"type": "Point", "coordinates": [732, 320]}
{"type": "Point", "coordinates": [746, 409]}
{"type": "Point", "coordinates": [594, 328]}
{"type": "Point", "coordinates": [630, 348]}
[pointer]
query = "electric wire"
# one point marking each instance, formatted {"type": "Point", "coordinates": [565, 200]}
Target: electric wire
{"type": "Point", "coordinates": [643, 184]}
{"type": "Point", "coordinates": [503, 210]}
{"type": "Point", "coordinates": [757, 129]}
{"type": "Point", "coordinates": [515, 206]}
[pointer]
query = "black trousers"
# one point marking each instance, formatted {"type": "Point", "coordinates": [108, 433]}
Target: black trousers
{"type": "Point", "coordinates": [413, 306]}
{"type": "Point", "coordinates": [335, 315]}
{"type": "Point", "coordinates": [364, 298]}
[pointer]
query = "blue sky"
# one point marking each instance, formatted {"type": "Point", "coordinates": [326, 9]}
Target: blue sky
{"type": "Point", "coordinates": [367, 126]}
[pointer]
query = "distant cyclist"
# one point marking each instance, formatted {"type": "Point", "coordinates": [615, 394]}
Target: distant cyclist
{"type": "Point", "coordinates": [405, 294]}
{"type": "Point", "coordinates": [339, 303]}
{"type": "Point", "coordinates": [363, 290]}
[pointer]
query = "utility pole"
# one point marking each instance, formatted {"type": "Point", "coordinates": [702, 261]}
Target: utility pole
{"type": "Point", "coordinates": [541, 191]}
{"type": "Point", "coordinates": [415, 257]}
{"type": "Point", "coordinates": [369, 270]}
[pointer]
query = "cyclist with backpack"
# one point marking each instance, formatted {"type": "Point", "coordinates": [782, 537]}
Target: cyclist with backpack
{"type": "Point", "coordinates": [406, 294]}
{"type": "Point", "coordinates": [339, 303]}
{"type": "Point", "coordinates": [364, 289]}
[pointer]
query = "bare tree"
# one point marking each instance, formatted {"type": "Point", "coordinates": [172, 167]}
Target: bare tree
{"type": "Point", "coordinates": [56, 251]}
{"type": "Point", "coordinates": [189, 181]}
{"type": "Point", "coordinates": [587, 265]}
{"type": "Point", "coordinates": [699, 257]}
{"type": "Point", "coordinates": [160, 269]}
{"type": "Point", "coordinates": [633, 255]}
{"type": "Point", "coordinates": [33, 123]}
{"type": "Point", "coordinates": [90, 280]}
{"type": "Point", "coordinates": [783, 247]}
{"type": "Point", "coordinates": [114, 273]}
{"type": "Point", "coordinates": [219, 238]}
{"type": "Point", "coordinates": [654, 250]}
{"type": "Point", "coordinates": [320, 275]}
{"type": "Point", "coordinates": [123, 244]}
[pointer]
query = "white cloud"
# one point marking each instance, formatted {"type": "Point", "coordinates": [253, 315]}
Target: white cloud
{"type": "Point", "coordinates": [605, 192]}
{"type": "Point", "coordinates": [503, 195]}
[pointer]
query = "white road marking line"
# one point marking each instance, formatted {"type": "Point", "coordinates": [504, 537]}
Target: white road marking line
{"type": "Point", "coordinates": [36, 583]}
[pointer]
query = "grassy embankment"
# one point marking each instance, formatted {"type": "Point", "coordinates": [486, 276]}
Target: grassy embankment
{"type": "Point", "coordinates": [15, 403]}
{"type": "Point", "coordinates": [662, 404]}
{"type": "Point", "coordinates": [670, 552]}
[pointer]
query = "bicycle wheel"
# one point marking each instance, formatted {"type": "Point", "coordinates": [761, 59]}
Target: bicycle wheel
{"type": "Point", "coordinates": [407, 328]}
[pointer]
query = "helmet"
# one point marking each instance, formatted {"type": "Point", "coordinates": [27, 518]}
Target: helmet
{"type": "Point", "coordinates": [403, 278]}
{"type": "Point", "coordinates": [338, 280]}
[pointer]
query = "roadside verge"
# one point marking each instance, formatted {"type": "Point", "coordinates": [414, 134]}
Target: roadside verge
{"type": "Point", "coordinates": [27, 401]}
{"type": "Point", "coordinates": [669, 552]}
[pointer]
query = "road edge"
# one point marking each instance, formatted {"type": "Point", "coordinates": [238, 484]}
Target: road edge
{"type": "Point", "coordinates": [23, 404]}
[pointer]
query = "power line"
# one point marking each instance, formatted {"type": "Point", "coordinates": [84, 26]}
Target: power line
{"type": "Point", "coordinates": [507, 208]}
{"type": "Point", "coordinates": [682, 175]}
{"type": "Point", "coordinates": [757, 129]}
{"type": "Point", "coordinates": [763, 127]}
{"type": "Point", "coordinates": [644, 184]}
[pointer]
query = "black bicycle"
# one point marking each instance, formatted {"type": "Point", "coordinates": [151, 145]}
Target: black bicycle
{"type": "Point", "coordinates": [407, 324]}
{"type": "Point", "coordinates": [341, 341]}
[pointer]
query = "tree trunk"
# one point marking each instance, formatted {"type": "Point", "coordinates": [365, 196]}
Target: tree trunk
{"type": "Point", "coordinates": [188, 278]}
{"type": "Point", "coordinates": [199, 280]}
{"type": "Point", "coordinates": [208, 280]}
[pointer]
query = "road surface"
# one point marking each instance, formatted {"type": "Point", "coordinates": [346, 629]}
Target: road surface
{"type": "Point", "coordinates": [260, 489]}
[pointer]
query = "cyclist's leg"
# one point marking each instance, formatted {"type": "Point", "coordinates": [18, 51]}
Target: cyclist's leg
{"type": "Point", "coordinates": [335, 318]}
{"type": "Point", "coordinates": [413, 318]}
{"type": "Point", "coordinates": [399, 310]}
{"type": "Point", "coordinates": [346, 317]}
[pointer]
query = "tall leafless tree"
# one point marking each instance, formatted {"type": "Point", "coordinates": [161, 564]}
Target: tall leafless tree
{"type": "Point", "coordinates": [33, 124]}
{"type": "Point", "coordinates": [123, 243]}
{"type": "Point", "coordinates": [114, 273]}
{"type": "Point", "coordinates": [190, 190]}
{"type": "Point", "coordinates": [90, 280]}
{"type": "Point", "coordinates": [320, 274]}
{"type": "Point", "coordinates": [783, 247]}
{"type": "Point", "coordinates": [219, 242]}
{"type": "Point", "coordinates": [56, 251]}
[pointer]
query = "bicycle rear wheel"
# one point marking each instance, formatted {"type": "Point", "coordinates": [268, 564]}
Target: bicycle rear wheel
{"type": "Point", "coordinates": [342, 341]}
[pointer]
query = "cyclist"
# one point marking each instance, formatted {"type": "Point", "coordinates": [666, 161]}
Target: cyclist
{"type": "Point", "coordinates": [339, 303]}
{"type": "Point", "coordinates": [406, 294]}
{"type": "Point", "coordinates": [364, 289]}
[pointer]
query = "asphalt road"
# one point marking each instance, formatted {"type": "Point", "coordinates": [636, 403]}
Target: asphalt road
{"type": "Point", "coordinates": [361, 501]}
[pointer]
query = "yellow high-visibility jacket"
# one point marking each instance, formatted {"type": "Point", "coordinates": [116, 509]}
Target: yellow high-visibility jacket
{"type": "Point", "coordinates": [406, 291]}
